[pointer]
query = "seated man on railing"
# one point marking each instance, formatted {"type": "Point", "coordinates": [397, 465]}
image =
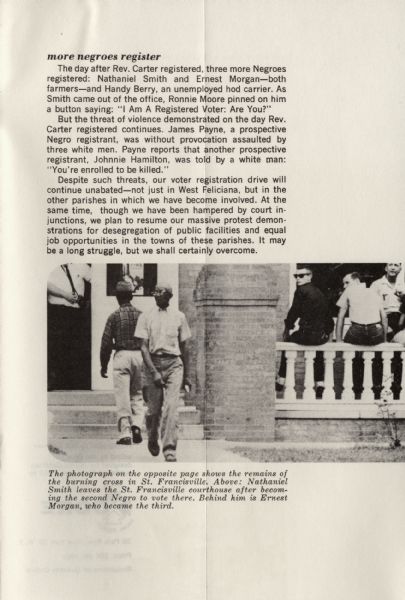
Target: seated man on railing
{"type": "Point", "coordinates": [391, 289]}
{"type": "Point", "coordinates": [368, 323]}
{"type": "Point", "coordinates": [310, 306]}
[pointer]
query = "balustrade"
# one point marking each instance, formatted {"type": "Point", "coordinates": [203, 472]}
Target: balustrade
{"type": "Point", "coordinates": [341, 362]}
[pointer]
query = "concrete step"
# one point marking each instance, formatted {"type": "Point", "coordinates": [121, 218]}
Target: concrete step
{"type": "Point", "coordinates": [99, 415]}
{"type": "Point", "coordinates": [80, 398]}
{"type": "Point", "coordinates": [85, 398]}
{"type": "Point", "coordinates": [105, 431]}
{"type": "Point", "coordinates": [91, 415]}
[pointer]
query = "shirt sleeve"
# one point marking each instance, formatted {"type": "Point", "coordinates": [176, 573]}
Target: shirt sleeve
{"type": "Point", "coordinates": [87, 273]}
{"type": "Point", "coordinates": [141, 329]}
{"type": "Point", "coordinates": [107, 343]}
{"type": "Point", "coordinates": [184, 330]}
{"type": "Point", "coordinates": [343, 301]}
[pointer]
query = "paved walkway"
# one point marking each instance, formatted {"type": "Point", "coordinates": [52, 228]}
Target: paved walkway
{"type": "Point", "coordinates": [199, 451]}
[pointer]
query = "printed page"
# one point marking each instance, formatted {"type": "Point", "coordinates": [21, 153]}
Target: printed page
{"type": "Point", "coordinates": [246, 158]}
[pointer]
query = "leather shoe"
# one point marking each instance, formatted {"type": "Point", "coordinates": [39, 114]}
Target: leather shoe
{"type": "Point", "coordinates": [153, 448]}
{"type": "Point", "coordinates": [170, 457]}
{"type": "Point", "coordinates": [125, 441]}
{"type": "Point", "coordinates": [136, 434]}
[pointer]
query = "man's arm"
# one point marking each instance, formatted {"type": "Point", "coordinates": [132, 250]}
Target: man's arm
{"type": "Point", "coordinates": [107, 344]}
{"type": "Point", "coordinates": [339, 323]}
{"type": "Point", "coordinates": [384, 322]}
{"type": "Point", "coordinates": [59, 293]}
{"type": "Point", "coordinates": [185, 353]}
{"type": "Point", "coordinates": [293, 314]}
{"type": "Point", "coordinates": [147, 359]}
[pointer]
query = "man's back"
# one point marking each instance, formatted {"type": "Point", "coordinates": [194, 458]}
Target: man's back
{"type": "Point", "coordinates": [310, 306]}
{"type": "Point", "coordinates": [123, 324]}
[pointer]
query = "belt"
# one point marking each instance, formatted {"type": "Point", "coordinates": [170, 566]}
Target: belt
{"type": "Point", "coordinates": [164, 355]}
{"type": "Point", "coordinates": [366, 324]}
{"type": "Point", "coordinates": [119, 349]}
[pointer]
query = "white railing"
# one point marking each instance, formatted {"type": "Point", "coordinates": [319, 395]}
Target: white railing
{"type": "Point", "coordinates": [338, 398]}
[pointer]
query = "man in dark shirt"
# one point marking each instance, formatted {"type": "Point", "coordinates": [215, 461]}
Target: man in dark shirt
{"type": "Point", "coordinates": [127, 363]}
{"type": "Point", "coordinates": [310, 306]}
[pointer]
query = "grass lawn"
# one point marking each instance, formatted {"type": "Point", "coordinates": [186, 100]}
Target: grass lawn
{"type": "Point", "coordinates": [362, 454]}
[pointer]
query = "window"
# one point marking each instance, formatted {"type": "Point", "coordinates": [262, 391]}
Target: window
{"type": "Point", "coordinates": [143, 277]}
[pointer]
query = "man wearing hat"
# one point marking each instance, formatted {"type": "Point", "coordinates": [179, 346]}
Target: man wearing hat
{"type": "Point", "coordinates": [164, 332]}
{"type": "Point", "coordinates": [310, 306]}
{"type": "Point", "coordinates": [127, 363]}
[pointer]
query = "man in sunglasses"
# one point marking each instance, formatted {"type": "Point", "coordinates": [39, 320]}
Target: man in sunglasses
{"type": "Point", "coordinates": [310, 307]}
{"type": "Point", "coordinates": [164, 333]}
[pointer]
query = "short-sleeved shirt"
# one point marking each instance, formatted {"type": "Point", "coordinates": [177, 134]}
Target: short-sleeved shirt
{"type": "Point", "coordinates": [58, 277]}
{"type": "Point", "coordinates": [390, 293]}
{"type": "Point", "coordinates": [119, 332]}
{"type": "Point", "coordinates": [164, 329]}
{"type": "Point", "coordinates": [363, 303]}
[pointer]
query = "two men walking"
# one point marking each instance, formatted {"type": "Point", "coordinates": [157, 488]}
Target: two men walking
{"type": "Point", "coordinates": [159, 337]}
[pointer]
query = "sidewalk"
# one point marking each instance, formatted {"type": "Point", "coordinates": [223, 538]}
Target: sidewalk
{"type": "Point", "coordinates": [201, 451]}
{"type": "Point", "coordinates": [106, 450]}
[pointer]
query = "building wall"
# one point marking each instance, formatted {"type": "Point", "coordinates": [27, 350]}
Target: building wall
{"type": "Point", "coordinates": [188, 274]}
{"type": "Point", "coordinates": [242, 338]}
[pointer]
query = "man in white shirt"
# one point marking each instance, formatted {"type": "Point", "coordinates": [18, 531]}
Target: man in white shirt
{"type": "Point", "coordinates": [391, 288]}
{"type": "Point", "coordinates": [368, 324]}
{"type": "Point", "coordinates": [367, 315]}
{"type": "Point", "coordinates": [164, 332]}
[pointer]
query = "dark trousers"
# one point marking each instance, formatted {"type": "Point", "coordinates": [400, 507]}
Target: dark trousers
{"type": "Point", "coordinates": [68, 348]}
{"type": "Point", "coordinates": [307, 337]}
{"type": "Point", "coordinates": [364, 335]}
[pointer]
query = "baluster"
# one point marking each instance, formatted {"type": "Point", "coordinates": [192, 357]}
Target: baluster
{"type": "Point", "coordinates": [368, 394]}
{"type": "Point", "coordinates": [387, 375]}
{"type": "Point", "coordinates": [309, 393]}
{"type": "Point", "coordinates": [347, 393]}
{"type": "Point", "coordinates": [329, 382]}
{"type": "Point", "coordinates": [289, 391]}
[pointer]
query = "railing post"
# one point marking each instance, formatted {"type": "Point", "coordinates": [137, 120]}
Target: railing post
{"type": "Point", "coordinates": [309, 356]}
{"type": "Point", "coordinates": [387, 375]}
{"type": "Point", "coordinates": [368, 394]}
{"type": "Point", "coordinates": [289, 390]}
{"type": "Point", "coordinates": [329, 381]}
{"type": "Point", "coordinates": [347, 393]}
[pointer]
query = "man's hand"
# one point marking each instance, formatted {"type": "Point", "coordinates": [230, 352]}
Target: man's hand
{"type": "Point", "coordinates": [103, 373]}
{"type": "Point", "coordinates": [70, 297]}
{"type": "Point", "coordinates": [187, 384]}
{"type": "Point", "coordinates": [157, 380]}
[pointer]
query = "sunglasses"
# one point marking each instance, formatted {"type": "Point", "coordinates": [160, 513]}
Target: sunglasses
{"type": "Point", "coordinates": [300, 275]}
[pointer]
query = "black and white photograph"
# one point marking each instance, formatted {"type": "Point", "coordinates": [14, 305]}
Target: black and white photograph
{"type": "Point", "coordinates": [266, 362]}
